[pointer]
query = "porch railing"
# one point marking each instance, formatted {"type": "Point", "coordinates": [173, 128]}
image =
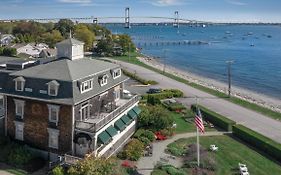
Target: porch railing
{"type": "Point", "coordinates": [93, 127]}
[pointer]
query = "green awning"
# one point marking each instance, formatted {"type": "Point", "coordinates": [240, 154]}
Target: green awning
{"type": "Point", "coordinates": [137, 110]}
{"type": "Point", "coordinates": [111, 131]}
{"type": "Point", "coordinates": [126, 119]}
{"type": "Point", "coordinates": [132, 114]}
{"type": "Point", "coordinates": [120, 125]}
{"type": "Point", "coordinates": [104, 137]}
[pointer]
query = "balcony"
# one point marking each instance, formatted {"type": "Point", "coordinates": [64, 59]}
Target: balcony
{"type": "Point", "coordinates": [94, 123]}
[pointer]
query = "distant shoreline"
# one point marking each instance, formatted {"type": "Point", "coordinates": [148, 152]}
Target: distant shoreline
{"type": "Point", "coordinates": [250, 96]}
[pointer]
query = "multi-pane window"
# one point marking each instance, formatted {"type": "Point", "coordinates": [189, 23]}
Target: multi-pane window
{"type": "Point", "coordinates": [117, 94]}
{"type": "Point", "coordinates": [86, 86]}
{"type": "Point", "coordinates": [19, 83]}
{"type": "Point", "coordinates": [19, 108]}
{"type": "Point", "coordinates": [116, 73]}
{"type": "Point", "coordinates": [53, 138]}
{"type": "Point", "coordinates": [19, 130]}
{"type": "Point", "coordinates": [53, 88]}
{"type": "Point", "coordinates": [85, 112]}
{"type": "Point", "coordinates": [54, 113]}
{"type": "Point", "coordinates": [103, 80]}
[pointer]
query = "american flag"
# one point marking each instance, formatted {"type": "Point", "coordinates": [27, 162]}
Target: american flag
{"type": "Point", "coordinates": [199, 121]}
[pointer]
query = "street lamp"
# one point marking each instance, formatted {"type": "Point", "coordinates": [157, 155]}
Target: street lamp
{"type": "Point", "coordinates": [229, 63]}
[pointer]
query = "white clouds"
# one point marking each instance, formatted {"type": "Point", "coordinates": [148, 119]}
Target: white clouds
{"type": "Point", "coordinates": [236, 2]}
{"type": "Point", "coordinates": [76, 1]}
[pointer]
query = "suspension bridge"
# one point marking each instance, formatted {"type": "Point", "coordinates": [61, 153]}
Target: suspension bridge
{"type": "Point", "coordinates": [127, 20]}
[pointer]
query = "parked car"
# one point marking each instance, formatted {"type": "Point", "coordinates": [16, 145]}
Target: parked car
{"type": "Point", "coordinates": [127, 94]}
{"type": "Point", "coordinates": [154, 90]}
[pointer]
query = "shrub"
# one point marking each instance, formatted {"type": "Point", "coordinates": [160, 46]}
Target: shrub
{"type": "Point", "coordinates": [168, 132]}
{"type": "Point", "coordinates": [166, 93]}
{"type": "Point", "coordinates": [215, 118]}
{"type": "Point", "coordinates": [19, 156]}
{"type": "Point", "coordinates": [58, 170]}
{"type": "Point", "coordinates": [155, 118]}
{"type": "Point", "coordinates": [172, 170]}
{"type": "Point", "coordinates": [139, 79]}
{"type": "Point", "coordinates": [153, 100]}
{"type": "Point", "coordinates": [134, 150]}
{"type": "Point", "coordinates": [146, 134]}
{"type": "Point", "coordinates": [258, 141]}
{"type": "Point", "coordinates": [176, 106]}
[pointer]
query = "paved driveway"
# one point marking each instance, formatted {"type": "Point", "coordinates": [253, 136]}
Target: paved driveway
{"type": "Point", "coordinates": [251, 119]}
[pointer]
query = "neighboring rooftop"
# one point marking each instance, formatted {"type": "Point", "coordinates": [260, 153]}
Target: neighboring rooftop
{"type": "Point", "coordinates": [70, 41]}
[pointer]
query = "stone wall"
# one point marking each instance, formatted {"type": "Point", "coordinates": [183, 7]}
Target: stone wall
{"type": "Point", "coordinates": [36, 122]}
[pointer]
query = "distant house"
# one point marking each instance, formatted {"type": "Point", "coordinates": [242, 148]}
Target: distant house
{"type": "Point", "coordinates": [30, 50]}
{"type": "Point", "coordinates": [48, 53]}
{"type": "Point", "coordinates": [6, 39]}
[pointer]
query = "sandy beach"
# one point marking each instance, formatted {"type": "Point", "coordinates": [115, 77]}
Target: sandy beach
{"type": "Point", "coordinates": [253, 97]}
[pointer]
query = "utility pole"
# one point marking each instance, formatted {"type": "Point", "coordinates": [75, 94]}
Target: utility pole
{"type": "Point", "coordinates": [129, 52]}
{"type": "Point", "coordinates": [164, 66]}
{"type": "Point", "coordinates": [229, 63]}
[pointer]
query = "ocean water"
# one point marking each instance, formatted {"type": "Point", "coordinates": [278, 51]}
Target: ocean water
{"type": "Point", "coordinates": [255, 49]}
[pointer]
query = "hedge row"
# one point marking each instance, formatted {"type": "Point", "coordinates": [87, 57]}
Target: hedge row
{"type": "Point", "coordinates": [215, 118]}
{"type": "Point", "coordinates": [167, 93]}
{"type": "Point", "coordinates": [139, 79]}
{"type": "Point", "coordinates": [258, 141]}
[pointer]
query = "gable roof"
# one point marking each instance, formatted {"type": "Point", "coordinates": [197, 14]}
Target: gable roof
{"type": "Point", "coordinates": [70, 41]}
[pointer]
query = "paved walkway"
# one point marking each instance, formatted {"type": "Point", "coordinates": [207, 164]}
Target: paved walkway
{"type": "Point", "coordinates": [251, 119]}
{"type": "Point", "coordinates": [146, 164]}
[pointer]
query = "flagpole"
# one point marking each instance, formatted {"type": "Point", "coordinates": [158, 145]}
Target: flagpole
{"type": "Point", "coordinates": [197, 130]}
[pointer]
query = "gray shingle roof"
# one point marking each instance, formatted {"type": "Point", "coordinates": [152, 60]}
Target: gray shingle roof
{"type": "Point", "coordinates": [66, 70]}
{"type": "Point", "coordinates": [70, 41]}
{"type": "Point", "coordinates": [69, 74]}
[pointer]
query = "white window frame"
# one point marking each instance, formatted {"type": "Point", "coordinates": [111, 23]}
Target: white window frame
{"type": "Point", "coordinates": [19, 126]}
{"type": "Point", "coordinates": [56, 86]}
{"type": "Point", "coordinates": [116, 73]}
{"type": "Point", "coordinates": [87, 83]}
{"type": "Point", "coordinates": [53, 141]}
{"type": "Point", "coordinates": [57, 110]}
{"type": "Point", "coordinates": [103, 80]}
{"type": "Point", "coordinates": [87, 106]}
{"type": "Point", "coordinates": [17, 81]}
{"type": "Point", "coordinates": [17, 104]}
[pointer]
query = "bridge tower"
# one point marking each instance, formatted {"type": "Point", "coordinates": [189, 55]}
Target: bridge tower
{"type": "Point", "coordinates": [95, 21]}
{"type": "Point", "coordinates": [127, 18]}
{"type": "Point", "coordinates": [176, 20]}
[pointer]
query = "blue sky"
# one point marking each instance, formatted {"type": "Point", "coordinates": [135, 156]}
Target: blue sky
{"type": "Point", "coordinates": [207, 10]}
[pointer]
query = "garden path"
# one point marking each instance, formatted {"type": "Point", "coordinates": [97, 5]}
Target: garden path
{"type": "Point", "coordinates": [146, 164]}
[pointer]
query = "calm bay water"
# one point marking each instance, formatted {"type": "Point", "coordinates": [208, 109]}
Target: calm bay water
{"type": "Point", "coordinates": [256, 51]}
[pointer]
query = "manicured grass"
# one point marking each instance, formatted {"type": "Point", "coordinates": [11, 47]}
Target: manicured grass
{"type": "Point", "coordinates": [252, 106]}
{"type": "Point", "coordinates": [159, 172]}
{"type": "Point", "coordinates": [182, 125]}
{"type": "Point", "coordinates": [230, 153]}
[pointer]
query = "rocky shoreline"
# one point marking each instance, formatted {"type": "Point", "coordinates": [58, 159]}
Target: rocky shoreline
{"type": "Point", "coordinates": [253, 97]}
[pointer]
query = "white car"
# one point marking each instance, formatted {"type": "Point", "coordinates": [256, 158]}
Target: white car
{"type": "Point", "coordinates": [243, 169]}
{"type": "Point", "coordinates": [127, 94]}
{"type": "Point", "coordinates": [244, 172]}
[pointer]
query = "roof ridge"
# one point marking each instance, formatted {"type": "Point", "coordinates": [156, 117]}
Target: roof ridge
{"type": "Point", "coordinates": [68, 69]}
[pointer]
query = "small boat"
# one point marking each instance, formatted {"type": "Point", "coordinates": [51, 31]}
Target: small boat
{"type": "Point", "coordinates": [227, 32]}
{"type": "Point", "coordinates": [252, 45]}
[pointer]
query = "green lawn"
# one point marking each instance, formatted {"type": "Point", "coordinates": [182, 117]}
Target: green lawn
{"type": "Point", "coordinates": [252, 106]}
{"type": "Point", "coordinates": [182, 125]}
{"type": "Point", "coordinates": [230, 153]}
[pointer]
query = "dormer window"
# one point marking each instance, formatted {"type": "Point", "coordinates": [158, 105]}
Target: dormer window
{"type": "Point", "coordinates": [19, 83]}
{"type": "Point", "coordinates": [86, 86]}
{"type": "Point", "coordinates": [116, 73]}
{"type": "Point", "coordinates": [53, 87]}
{"type": "Point", "coordinates": [103, 80]}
